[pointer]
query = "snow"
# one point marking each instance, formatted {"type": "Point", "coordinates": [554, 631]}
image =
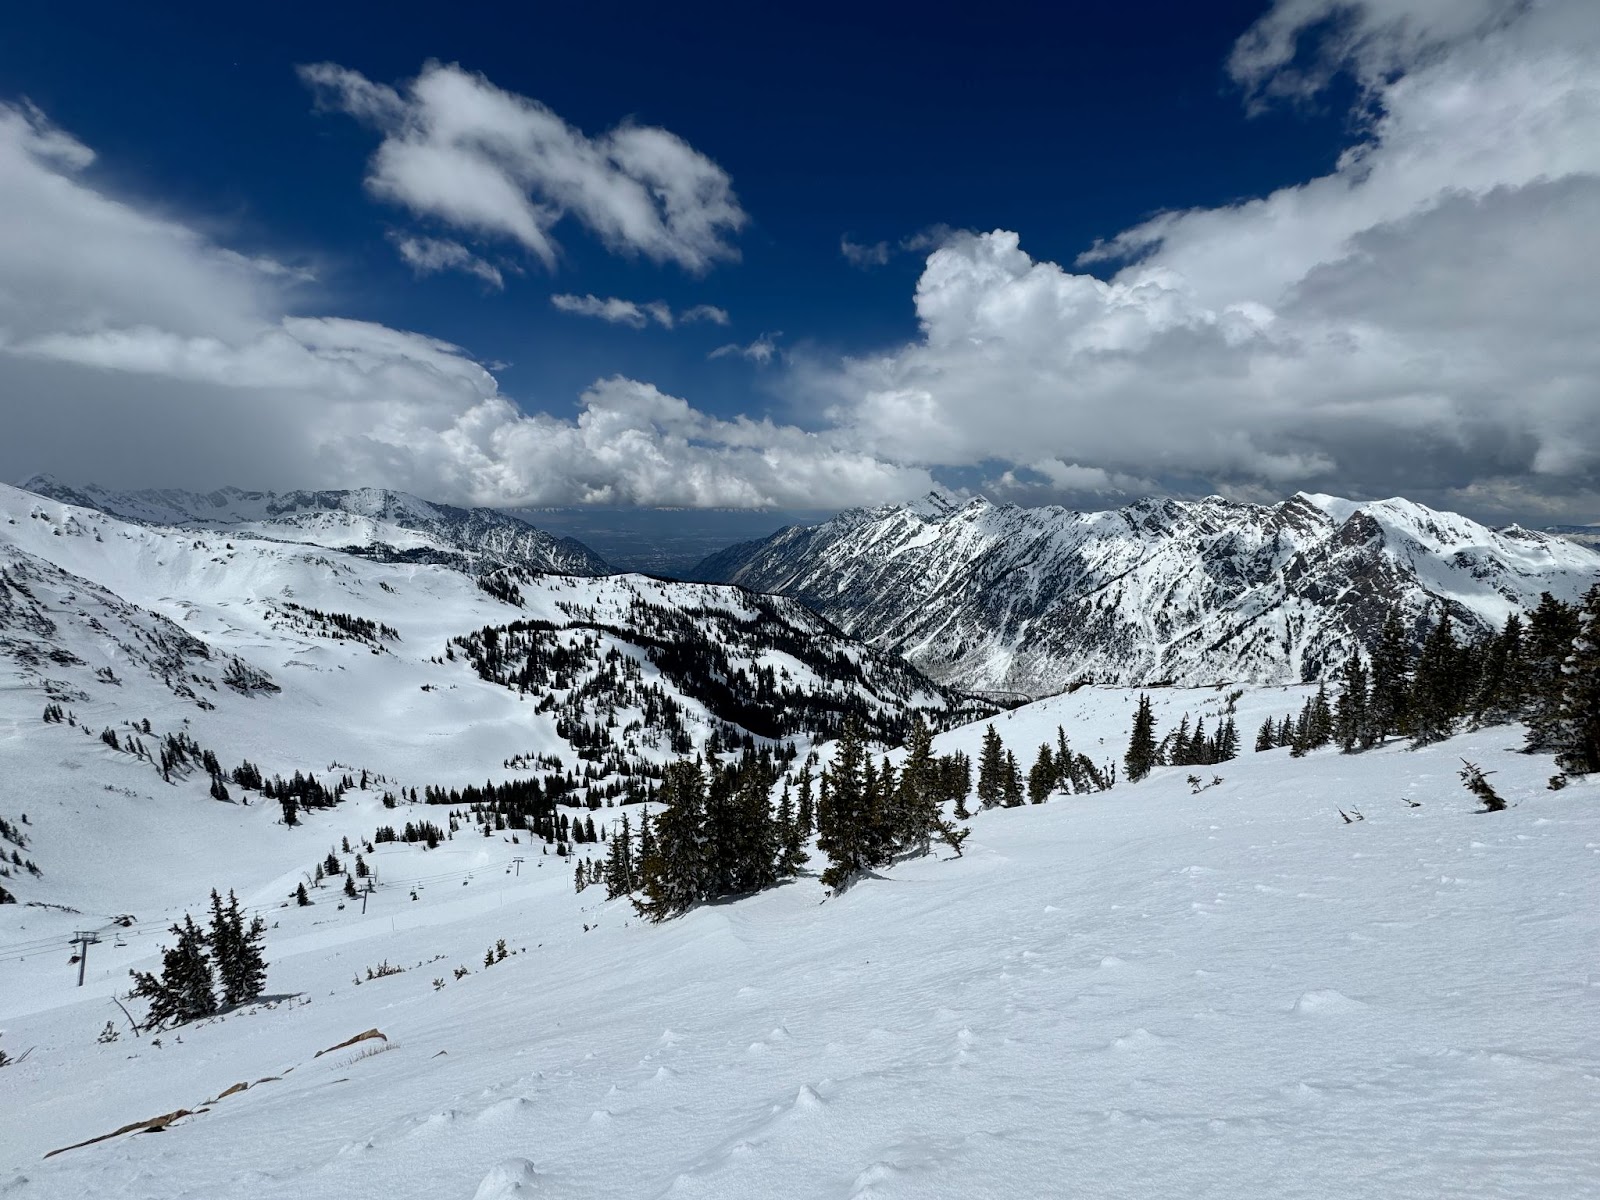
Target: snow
{"type": "Point", "coordinates": [1138, 992]}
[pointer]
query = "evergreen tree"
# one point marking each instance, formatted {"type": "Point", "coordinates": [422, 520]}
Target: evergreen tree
{"type": "Point", "coordinates": [236, 951]}
{"type": "Point", "coordinates": [791, 841]}
{"type": "Point", "coordinates": [1180, 754]}
{"type": "Point", "coordinates": [844, 815]}
{"type": "Point", "coordinates": [1391, 680]}
{"type": "Point", "coordinates": [1042, 775]}
{"type": "Point", "coordinates": [619, 863]}
{"type": "Point", "coordinates": [1011, 788]}
{"type": "Point", "coordinates": [1319, 720]}
{"type": "Point", "coordinates": [1141, 755]}
{"type": "Point", "coordinates": [1226, 745]}
{"type": "Point", "coordinates": [805, 812]}
{"type": "Point", "coordinates": [917, 810]}
{"type": "Point", "coordinates": [673, 875]}
{"type": "Point", "coordinates": [1500, 694]}
{"type": "Point", "coordinates": [184, 989]}
{"type": "Point", "coordinates": [1436, 686]}
{"type": "Point", "coordinates": [1350, 723]}
{"type": "Point", "coordinates": [1267, 736]}
{"type": "Point", "coordinates": [301, 897]}
{"type": "Point", "coordinates": [1551, 628]}
{"type": "Point", "coordinates": [1576, 728]}
{"type": "Point", "coordinates": [991, 770]}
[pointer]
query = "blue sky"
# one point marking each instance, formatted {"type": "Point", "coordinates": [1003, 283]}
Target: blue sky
{"type": "Point", "coordinates": [969, 160]}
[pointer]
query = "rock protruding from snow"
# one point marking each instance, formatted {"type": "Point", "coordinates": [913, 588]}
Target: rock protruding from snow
{"type": "Point", "coordinates": [996, 597]}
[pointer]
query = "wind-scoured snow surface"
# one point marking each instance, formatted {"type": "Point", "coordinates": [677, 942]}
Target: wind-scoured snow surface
{"type": "Point", "coordinates": [996, 597]}
{"type": "Point", "coordinates": [1142, 992]}
{"type": "Point", "coordinates": [375, 521]}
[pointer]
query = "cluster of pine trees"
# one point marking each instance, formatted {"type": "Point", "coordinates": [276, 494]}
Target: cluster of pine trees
{"type": "Point", "coordinates": [1055, 769]}
{"type": "Point", "coordinates": [1182, 747]}
{"type": "Point", "coordinates": [208, 969]}
{"type": "Point", "coordinates": [1543, 670]}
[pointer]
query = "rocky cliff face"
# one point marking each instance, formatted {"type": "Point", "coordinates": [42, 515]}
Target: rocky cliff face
{"type": "Point", "coordinates": [999, 598]}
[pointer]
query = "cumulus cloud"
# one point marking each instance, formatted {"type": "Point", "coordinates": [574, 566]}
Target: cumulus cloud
{"type": "Point", "coordinates": [1419, 320]}
{"type": "Point", "coordinates": [427, 256]}
{"type": "Point", "coordinates": [135, 351]}
{"type": "Point", "coordinates": [489, 162]}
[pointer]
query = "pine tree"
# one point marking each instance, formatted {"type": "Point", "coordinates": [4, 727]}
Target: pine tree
{"type": "Point", "coordinates": [1500, 694]}
{"type": "Point", "coordinates": [1011, 788]}
{"type": "Point", "coordinates": [1180, 755]}
{"type": "Point", "coordinates": [1141, 755]}
{"type": "Point", "coordinates": [791, 841]}
{"type": "Point", "coordinates": [236, 951]}
{"type": "Point", "coordinates": [350, 886]}
{"type": "Point", "coordinates": [916, 814]}
{"type": "Point", "coordinates": [184, 989]}
{"type": "Point", "coordinates": [1319, 720]}
{"type": "Point", "coordinates": [673, 876]}
{"type": "Point", "coordinates": [1551, 628]}
{"type": "Point", "coordinates": [1576, 728]}
{"type": "Point", "coordinates": [1391, 680]}
{"type": "Point", "coordinates": [619, 863]}
{"type": "Point", "coordinates": [991, 770]}
{"type": "Point", "coordinates": [301, 897]}
{"type": "Point", "coordinates": [805, 812]}
{"type": "Point", "coordinates": [1042, 775]}
{"type": "Point", "coordinates": [843, 815]}
{"type": "Point", "coordinates": [1350, 723]}
{"type": "Point", "coordinates": [1267, 736]}
{"type": "Point", "coordinates": [1436, 686]}
{"type": "Point", "coordinates": [1226, 746]}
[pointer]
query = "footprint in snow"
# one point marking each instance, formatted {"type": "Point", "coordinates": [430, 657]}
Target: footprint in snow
{"type": "Point", "coordinates": [507, 1180]}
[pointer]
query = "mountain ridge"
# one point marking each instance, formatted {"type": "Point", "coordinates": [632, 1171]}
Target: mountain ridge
{"type": "Point", "coordinates": [996, 597]}
{"type": "Point", "coordinates": [380, 523]}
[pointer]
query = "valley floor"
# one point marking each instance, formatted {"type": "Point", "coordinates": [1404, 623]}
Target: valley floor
{"type": "Point", "coordinates": [1143, 992]}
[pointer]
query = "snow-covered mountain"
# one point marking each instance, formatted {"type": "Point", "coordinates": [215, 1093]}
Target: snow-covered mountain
{"type": "Point", "coordinates": [1222, 980]}
{"type": "Point", "coordinates": [295, 657]}
{"type": "Point", "coordinates": [995, 597]}
{"type": "Point", "coordinates": [376, 522]}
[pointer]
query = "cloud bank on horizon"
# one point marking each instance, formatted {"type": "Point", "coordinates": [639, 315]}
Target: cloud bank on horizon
{"type": "Point", "coordinates": [1419, 320]}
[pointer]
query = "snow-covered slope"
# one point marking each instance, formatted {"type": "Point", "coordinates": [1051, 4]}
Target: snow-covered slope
{"type": "Point", "coordinates": [1143, 992]}
{"type": "Point", "coordinates": [371, 521]}
{"type": "Point", "coordinates": [997, 597]}
{"type": "Point", "coordinates": [302, 659]}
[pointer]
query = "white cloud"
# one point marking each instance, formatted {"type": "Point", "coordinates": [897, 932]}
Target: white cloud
{"type": "Point", "coordinates": [427, 256]}
{"type": "Point", "coordinates": [704, 312]}
{"type": "Point", "coordinates": [135, 351]}
{"type": "Point", "coordinates": [864, 256]}
{"type": "Point", "coordinates": [761, 351]}
{"type": "Point", "coordinates": [492, 163]}
{"type": "Point", "coordinates": [1419, 320]}
{"type": "Point", "coordinates": [635, 314]}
